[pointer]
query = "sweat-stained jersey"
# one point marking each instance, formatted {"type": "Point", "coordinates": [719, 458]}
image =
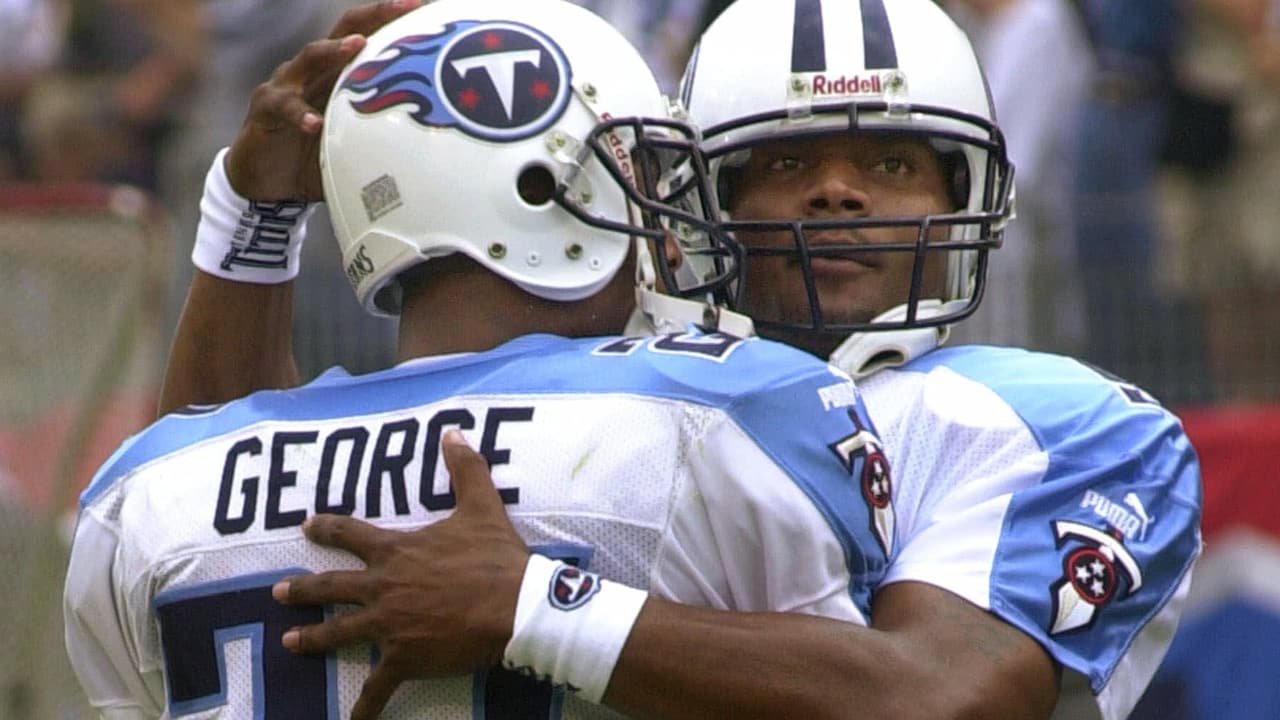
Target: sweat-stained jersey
{"type": "Point", "coordinates": [1064, 501]}
{"type": "Point", "coordinates": [704, 468]}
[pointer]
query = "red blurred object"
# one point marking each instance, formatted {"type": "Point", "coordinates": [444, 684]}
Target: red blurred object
{"type": "Point", "coordinates": [1239, 448]}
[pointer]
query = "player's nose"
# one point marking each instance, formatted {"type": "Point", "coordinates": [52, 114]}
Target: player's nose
{"type": "Point", "coordinates": [837, 190]}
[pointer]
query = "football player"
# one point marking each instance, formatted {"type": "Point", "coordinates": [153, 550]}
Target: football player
{"type": "Point", "coordinates": [1044, 518]}
{"type": "Point", "coordinates": [488, 166]}
{"type": "Point", "coordinates": [861, 167]}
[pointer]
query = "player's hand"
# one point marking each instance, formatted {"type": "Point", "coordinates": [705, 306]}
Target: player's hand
{"type": "Point", "coordinates": [276, 155]}
{"type": "Point", "coordinates": [437, 601]}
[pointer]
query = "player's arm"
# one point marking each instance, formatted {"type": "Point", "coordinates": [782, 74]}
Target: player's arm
{"type": "Point", "coordinates": [234, 334]}
{"type": "Point", "coordinates": [928, 654]}
{"type": "Point", "coordinates": [1072, 513]}
{"type": "Point", "coordinates": [443, 600]}
{"type": "Point", "coordinates": [233, 338]}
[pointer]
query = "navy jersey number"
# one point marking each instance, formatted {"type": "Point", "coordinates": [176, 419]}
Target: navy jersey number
{"type": "Point", "coordinates": [710, 345]}
{"type": "Point", "coordinates": [198, 623]}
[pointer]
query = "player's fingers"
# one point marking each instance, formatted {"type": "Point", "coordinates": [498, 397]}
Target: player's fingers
{"type": "Point", "coordinates": [275, 108]}
{"type": "Point", "coordinates": [326, 588]}
{"type": "Point", "coordinates": [298, 90]}
{"type": "Point", "coordinates": [367, 18]}
{"type": "Point", "coordinates": [469, 474]}
{"type": "Point", "coordinates": [318, 59]}
{"type": "Point", "coordinates": [376, 692]}
{"type": "Point", "coordinates": [334, 633]}
{"type": "Point", "coordinates": [362, 539]}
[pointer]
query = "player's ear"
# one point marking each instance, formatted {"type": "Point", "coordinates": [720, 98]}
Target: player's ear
{"type": "Point", "coordinates": [671, 248]}
{"type": "Point", "coordinates": [669, 253]}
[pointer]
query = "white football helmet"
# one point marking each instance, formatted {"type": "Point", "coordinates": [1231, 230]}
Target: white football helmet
{"type": "Point", "coordinates": [527, 134]}
{"type": "Point", "coordinates": [774, 69]}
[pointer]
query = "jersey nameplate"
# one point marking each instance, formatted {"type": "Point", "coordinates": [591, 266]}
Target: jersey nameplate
{"type": "Point", "coordinates": [258, 469]}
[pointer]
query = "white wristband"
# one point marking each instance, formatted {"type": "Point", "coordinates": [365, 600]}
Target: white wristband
{"type": "Point", "coordinates": [246, 240]}
{"type": "Point", "coordinates": [570, 626]}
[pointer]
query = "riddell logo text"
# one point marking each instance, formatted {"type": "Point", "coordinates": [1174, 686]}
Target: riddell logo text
{"type": "Point", "coordinates": [620, 152]}
{"type": "Point", "coordinates": [842, 85]}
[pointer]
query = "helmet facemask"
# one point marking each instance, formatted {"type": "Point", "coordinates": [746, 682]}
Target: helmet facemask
{"type": "Point", "coordinates": [948, 247]}
{"type": "Point", "coordinates": [774, 71]}
{"type": "Point", "coordinates": [659, 167]}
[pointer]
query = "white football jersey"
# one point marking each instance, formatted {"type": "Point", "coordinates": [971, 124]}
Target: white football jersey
{"type": "Point", "coordinates": [1065, 501]}
{"type": "Point", "coordinates": [710, 470]}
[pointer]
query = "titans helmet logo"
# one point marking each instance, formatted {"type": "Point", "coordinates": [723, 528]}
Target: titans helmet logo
{"type": "Point", "coordinates": [494, 80]}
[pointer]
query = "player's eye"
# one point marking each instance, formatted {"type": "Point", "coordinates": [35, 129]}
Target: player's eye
{"type": "Point", "coordinates": [893, 165]}
{"type": "Point", "coordinates": [786, 164]}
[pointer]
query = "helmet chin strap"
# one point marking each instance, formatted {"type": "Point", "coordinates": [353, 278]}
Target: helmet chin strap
{"type": "Point", "coordinates": [862, 354]}
{"type": "Point", "coordinates": [657, 313]}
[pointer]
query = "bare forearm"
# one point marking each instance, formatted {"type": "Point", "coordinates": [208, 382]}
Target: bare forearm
{"type": "Point", "coordinates": [232, 339]}
{"type": "Point", "coordinates": [687, 662]}
{"type": "Point", "coordinates": [953, 661]}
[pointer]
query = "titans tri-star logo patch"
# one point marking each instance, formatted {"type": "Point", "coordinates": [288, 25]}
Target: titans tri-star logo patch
{"type": "Point", "coordinates": [1096, 570]}
{"type": "Point", "coordinates": [494, 80]}
{"type": "Point", "coordinates": [877, 486]}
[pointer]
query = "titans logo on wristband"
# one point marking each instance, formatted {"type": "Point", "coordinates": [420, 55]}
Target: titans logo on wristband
{"type": "Point", "coordinates": [571, 588]}
{"type": "Point", "coordinates": [493, 80]}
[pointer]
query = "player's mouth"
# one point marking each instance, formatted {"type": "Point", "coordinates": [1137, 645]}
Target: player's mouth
{"type": "Point", "coordinates": [832, 253]}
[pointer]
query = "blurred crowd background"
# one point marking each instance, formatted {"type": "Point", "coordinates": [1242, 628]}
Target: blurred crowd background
{"type": "Point", "coordinates": [1146, 135]}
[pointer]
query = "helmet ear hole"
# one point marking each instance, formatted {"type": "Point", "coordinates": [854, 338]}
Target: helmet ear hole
{"type": "Point", "coordinates": [724, 187]}
{"type": "Point", "coordinates": [536, 185]}
{"type": "Point", "coordinates": [957, 170]}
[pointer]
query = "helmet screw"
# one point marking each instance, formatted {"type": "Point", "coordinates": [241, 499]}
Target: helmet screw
{"type": "Point", "coordinates": [586, 197]}
{"type": "Point", "coordinates": [534, 259]}
{"type": "Point", "coordinates": [589, 90]}
{"type": "Point", "coordinates": [558, 140]}
{"type": "Point", "coordinates": [497, 251]}
{"type": "Point", "coordinates": [797, 84]}
{"type": "Point", "coordinates": [573, 251]}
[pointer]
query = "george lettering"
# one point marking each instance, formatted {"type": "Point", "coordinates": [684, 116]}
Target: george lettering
{"type": "Point", "coordinates": [353, 440]}
{"type": "Point", "coordinates": [432, 500]}
{"type": "Point", "coordinates": [391, 466]}
{"type": "Point", "coordinates": [489, 443]}
{"type": "Point", "coordinates": [223, 521]}
{"type": "Point", "coordinates": [282, 477]}
{"type": "Point", "coordinates": [264, 486]}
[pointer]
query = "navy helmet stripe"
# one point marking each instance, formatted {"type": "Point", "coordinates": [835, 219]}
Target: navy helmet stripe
{"type": "Point", "coordinates": [690, 73]}
{"type": "Point", "coordinates": [877, 37]}
{"type": "Point", "coordinates": [808, 45]}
